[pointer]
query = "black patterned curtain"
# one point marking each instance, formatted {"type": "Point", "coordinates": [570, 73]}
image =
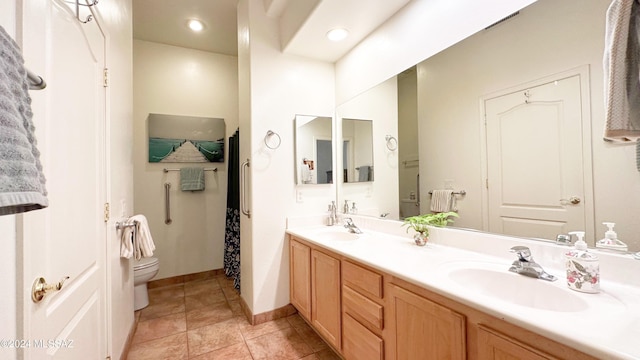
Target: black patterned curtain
{"type": "Point", "coordinates": [232, 227]}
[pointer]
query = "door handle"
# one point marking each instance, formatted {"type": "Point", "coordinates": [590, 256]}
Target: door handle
{"type": "Point", "coordinates": [574, 200]}
{"type": "Point", "coordinates": [40, 288]}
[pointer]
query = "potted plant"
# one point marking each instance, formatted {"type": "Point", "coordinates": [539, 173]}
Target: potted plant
{"type": "Point", "coordinates": [421, 223]}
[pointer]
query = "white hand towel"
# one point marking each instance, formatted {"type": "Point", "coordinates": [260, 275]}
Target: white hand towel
{"type": "Point", "coordinates": [127, 239]}
{"type": "Point", "coordinates": [143, 244]}
{"type": "Point", "coordinates": [622, 69]}
{"type": "Point", "coordinates": [442, 201]}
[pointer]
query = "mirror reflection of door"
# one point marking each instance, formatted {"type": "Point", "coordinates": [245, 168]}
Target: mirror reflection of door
{"type": "Point", "coordinates": [324, 156]}
{"type": "Point", "coordinates": [535, 157]}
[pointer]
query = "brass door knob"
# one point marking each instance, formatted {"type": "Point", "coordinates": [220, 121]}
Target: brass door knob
{"type": "Point", "coordinates": [572, 200]}
{"type": "Point", "coordinates": [40, 288]}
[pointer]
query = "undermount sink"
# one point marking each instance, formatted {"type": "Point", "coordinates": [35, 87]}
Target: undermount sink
{"type": "Point", "coordinates": [491, 280]}
{"type": "Point", "coordinates": [336, 234]}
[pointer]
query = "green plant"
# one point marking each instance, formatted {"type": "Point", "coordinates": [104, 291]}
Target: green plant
{"type": "Point", "coordinates": [420, 223]}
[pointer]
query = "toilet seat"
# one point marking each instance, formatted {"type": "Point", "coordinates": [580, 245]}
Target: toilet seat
{"type": "Point", "coordinates": [145, 263]}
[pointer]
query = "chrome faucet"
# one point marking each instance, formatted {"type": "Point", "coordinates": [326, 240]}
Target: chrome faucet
{"type": "Point", "coordinates": [526, 266]}
{"type": "Point", "coordinates": [348, 223]}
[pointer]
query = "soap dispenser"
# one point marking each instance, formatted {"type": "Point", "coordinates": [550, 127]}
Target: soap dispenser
{"type": "Point", "coordinates": [610, 240]}
{"type": "Point", "coordinates": [583, 267]}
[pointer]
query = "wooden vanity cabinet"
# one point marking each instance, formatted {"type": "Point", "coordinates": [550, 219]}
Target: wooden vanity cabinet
{"type": "Point", "coordinates": [314, 289]}
{"type": "Point", "coordinates": [325, 297]}
{"type": "Point", "coordinates": [362, 313]}
{"type": "Point", "coordinates": [300, 278]}
{"type": "Point", "coordinates": [369, 315]}
{"type": "Point", "coordinates": [495, 346]}
{"type": "Point", "coordinates": [421, 329]}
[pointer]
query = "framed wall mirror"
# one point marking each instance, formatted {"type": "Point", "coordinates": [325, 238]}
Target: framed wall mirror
{"type": "Point", "coordinates": [443, 143]}
{"type": "Point", "coordinates": [313, 150]}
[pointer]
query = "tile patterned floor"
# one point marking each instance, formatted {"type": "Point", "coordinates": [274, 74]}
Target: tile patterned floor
{"type": "Point", "coordinates": [202, 320]}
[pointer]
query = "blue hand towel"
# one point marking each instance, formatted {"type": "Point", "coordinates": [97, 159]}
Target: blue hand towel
{"type": "Point", "coordinates": [22, 182]}
{"type": "Point", "coordinates": [192, 179]}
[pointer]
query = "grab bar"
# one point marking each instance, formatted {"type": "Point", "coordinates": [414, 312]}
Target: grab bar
{"type": "Point", "coordinates": [167, 204]}
{"type": "Point", "coordinates": [245, 209]}
{"type": "Point", "coordinates": [418, 189]}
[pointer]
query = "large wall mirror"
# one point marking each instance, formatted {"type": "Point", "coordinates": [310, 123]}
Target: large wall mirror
{"type": "Point", "coordinates": [438, 117]}
{"type": "Point", "coordinates": [314, 149]}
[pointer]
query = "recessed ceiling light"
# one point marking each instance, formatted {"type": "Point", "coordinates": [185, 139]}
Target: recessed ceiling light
{"type": "Point", "coordinates": [337, 34]}
{"type": "Point", "coordinates": [195, 25]}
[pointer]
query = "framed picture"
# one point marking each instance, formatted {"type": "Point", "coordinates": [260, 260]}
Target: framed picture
{"type": "Point", "coordinates": [190, 139]}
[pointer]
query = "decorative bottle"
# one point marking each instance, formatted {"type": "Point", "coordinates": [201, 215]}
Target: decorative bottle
{"type": "Point", "coordinates": [583, 267]}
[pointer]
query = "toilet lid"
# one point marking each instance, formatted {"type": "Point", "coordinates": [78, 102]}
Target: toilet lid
{"type": "Point", "coordinates": [145, 263]}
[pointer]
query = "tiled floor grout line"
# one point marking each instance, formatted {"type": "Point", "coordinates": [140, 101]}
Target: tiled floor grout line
{"type": "Point", "coordinates": [287, 324]}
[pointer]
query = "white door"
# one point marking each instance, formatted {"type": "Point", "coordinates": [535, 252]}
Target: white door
{"type": "Point", "coordinates": [67, 238]}
{"type": "Point", "coordinates": [535, 171]}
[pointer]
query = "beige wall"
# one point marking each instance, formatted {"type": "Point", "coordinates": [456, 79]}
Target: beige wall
{"type": "Point", "coordinates": [179, 81]}
{"type": "Point", "coordinates": [419, 30]}
{"type": "Point", "coordinates": [520, 50]}
{"type": "Point", "coordinates": [274, 87]}
{"type": "Point", "coordinates": [379, 104]}
{"type": "Point", "coordinates": [407, 133]}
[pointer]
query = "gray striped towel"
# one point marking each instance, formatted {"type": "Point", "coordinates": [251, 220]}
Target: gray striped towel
{"type": "Point", "coordinates": [22, 182]}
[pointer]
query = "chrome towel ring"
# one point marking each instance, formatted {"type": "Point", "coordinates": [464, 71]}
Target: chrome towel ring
{"type": "Point", "coordinates": [392, 142]}
{"type": "Point", "coordinates": [272, 144]}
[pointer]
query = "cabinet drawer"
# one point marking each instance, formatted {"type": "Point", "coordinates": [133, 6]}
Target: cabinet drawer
{"type": "Point", "coordinates": [362, 308]}
{"type": "Point", "coordinates": [364, 281]}
{"type": "Point", "coordinates": [359, 343]}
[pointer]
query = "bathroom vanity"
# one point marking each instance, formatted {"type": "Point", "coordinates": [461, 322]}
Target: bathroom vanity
{"type": "Point", "coordinates": [378, 296]}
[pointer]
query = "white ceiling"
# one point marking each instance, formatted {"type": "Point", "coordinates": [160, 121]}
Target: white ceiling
{"type": "Point", "coordinates": [303, 23]}
{"type": "Point", "coordinates": [165, 21]}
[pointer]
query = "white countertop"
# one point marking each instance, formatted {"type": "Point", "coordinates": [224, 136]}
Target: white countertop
{"type": "Point", "coordinates": [607, 326]}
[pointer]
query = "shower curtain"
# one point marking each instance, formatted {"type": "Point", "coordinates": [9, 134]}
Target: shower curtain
{"type": "Point", "coordinates": [232, 227]}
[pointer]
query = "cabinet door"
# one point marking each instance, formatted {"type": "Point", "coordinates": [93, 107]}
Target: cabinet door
{"type": "Point", "coordinates": [495, 346]}
{"type": "Point", "coordinates": [300, 277]}
{"type": "Point", "coordinates": [424, 330]}
{"type": "Point", "coordinates": [359, 343]}
{"type": "Point", "coordinates": [325, 297]}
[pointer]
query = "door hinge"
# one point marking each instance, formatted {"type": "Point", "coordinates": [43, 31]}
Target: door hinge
{"type": "Point", "coordinates": [105, 77]}
{"type": "Point", "coordinates": [106, 212]}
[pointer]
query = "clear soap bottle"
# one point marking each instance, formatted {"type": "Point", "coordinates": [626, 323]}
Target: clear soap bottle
{"type": "Point", "coordinates": [611, 240]}
{"type": "Point", "coordinates": [583, 267]}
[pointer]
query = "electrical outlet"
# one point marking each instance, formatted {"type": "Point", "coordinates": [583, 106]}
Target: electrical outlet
{"type": "Point", "coordinates": [123, 207]}
{"type": "Point", "coordinates": [299, 197]}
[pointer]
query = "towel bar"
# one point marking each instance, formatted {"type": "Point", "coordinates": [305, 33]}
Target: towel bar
{"type": "Point", "coordinates": [461, 192]}
{"type": "Point", "coordinates": [122, 225]}
{"type": "Point", "coordinates": [210, 169]}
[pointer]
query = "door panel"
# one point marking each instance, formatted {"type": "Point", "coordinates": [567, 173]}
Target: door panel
{"type": "Point", "coordinates": [67, 238]}
{"type": "Point", "coordinates": [535, 160]}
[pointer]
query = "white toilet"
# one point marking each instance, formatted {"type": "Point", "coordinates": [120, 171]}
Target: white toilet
{"type": "Point", "coordinates": [408, 207]}
{"type": "Point", "coordinates": [143, 271]}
